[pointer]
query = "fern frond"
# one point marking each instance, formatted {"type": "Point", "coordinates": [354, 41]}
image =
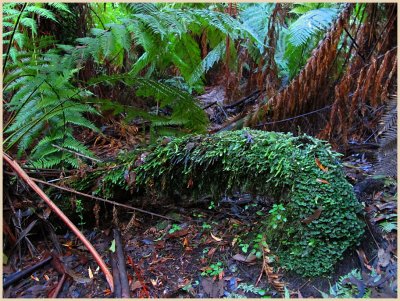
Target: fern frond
{"type": "Point", "coordinates": [40, 11]}
{"type": "Point", "coordinates": [388, 226]}
{"type": "Point", "coordinates": [311, 23]}
{"type": "Point", "coordinates": [212, 57]}
{"type": "Point", "coordinates": [387, 155]}
{"type": "Point", "coordinates": [142, 8]}
{"type": "Point", "coordinates": [29, 23]}
{"type": "Point", "coordinates": [59, 6]}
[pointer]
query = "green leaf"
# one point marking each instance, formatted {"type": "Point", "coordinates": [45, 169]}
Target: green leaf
{"type": "Point", "coordinates": [112, 247]}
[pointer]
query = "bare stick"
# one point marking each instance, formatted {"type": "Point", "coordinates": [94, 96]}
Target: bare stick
{"type": "Point", "coordinates": [103, 200]}
{"type": "Point", "coordinates": [123, 275]}
{"type": "Point", "coordinates": [15, 166]}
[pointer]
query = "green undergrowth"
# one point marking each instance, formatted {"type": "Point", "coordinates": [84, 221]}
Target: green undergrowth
{"type": "Point", "coordinates": [302, 174]}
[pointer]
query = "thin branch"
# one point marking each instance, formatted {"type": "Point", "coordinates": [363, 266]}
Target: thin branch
{"type": "Point", "coordinates": [12, 37]}
{"type": "Point", "coordinates": [101, 199]}
{"type": "Point", "coordinates": [21, 173]}
{"type": "Point", "coordinates": [292, 118]}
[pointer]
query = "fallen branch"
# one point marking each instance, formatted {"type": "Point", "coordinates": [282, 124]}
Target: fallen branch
{"type": "Point", "coordinates": [123, 275]}
{"type": "Point", "coordinates": [58, 288]}
{"type": "Point", "coordinates": [103, 200]}
{"type": "Point", "coordinates": [15, 166]}
{"type": "Point", "coordinates": [21, 274]}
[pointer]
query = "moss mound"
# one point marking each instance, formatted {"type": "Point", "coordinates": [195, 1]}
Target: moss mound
{"type": "Point", "coordinates": [319, 221]}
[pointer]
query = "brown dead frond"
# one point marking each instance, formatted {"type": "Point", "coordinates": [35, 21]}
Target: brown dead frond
{"type": "Point", "coordinates": [304, 90]}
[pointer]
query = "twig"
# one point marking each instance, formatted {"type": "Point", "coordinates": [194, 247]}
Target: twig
{"type": "Point", "coordinates": [12, 36]}
{"type": "Point", "coordinates": [209, 105]}
{"type": "Point", "coordinates": [15, 166]}
{"type": "Point", "coordinates": [292, 118]}
{"type": "Point", "coordinates": [115, 271]}
{"type": "Point", "coordinates": [103, 200]}
{"type": "Point", "coordinates": [75, 153]}
{"type": "Point", "coordinates": [123, 275]}
{"type": "Point", "coordinates": [21, 274]}
{"type": "Point", "coordinates": [58, 288]}
{"type": "Point", "coordinates": [371, 233]}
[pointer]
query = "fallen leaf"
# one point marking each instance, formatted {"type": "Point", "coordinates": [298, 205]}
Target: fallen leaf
{"type": "Point", "coordinates": [316, 214]}
{"type": "Point", "coordinates": [112, 247]}
{"type": "Point", "coordinates": [216, 238]}
{"type": "Point", "coordinates": [383, 258]}
{"type": "Point", "coordinates": [186, 242]}
{"type": "Point", "coordinates": [234, 241]}
{"type": "Point", "coordinates": [324, 169]}
{"type": "Point", "coordinates": [322, 181]}
{"type": "Point", "coordinates": [90, 273]}
{"type": "Point", "coordinates": [136, 285]}
{"type": "Point", "coordinates": [68, 244]}
{"type": "Point", "coordinates": [46, 277]}
{"type": "Point", "coordinates": [179, 233]}
{"type": "Point", "coordinates": [35, 278]}
{"type": "Point", "coordinates": [211, 252]}
{"type": "Point", "coordinates": [243, 258]}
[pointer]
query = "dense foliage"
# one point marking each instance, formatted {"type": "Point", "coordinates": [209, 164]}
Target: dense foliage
{"type": "Point", "coordinates": [301, 173]}
{"type": "Point", "coordinates": [166, 50]}
{"type": "Point", "coordinates": [144, 64]}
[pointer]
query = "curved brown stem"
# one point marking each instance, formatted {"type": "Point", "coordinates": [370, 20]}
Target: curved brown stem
{"type": "Point", "coordinates": [15, 166]}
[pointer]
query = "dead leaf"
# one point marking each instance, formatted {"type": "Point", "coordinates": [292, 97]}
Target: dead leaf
{"type": "Point", "coordinates": [90, 273]}
{"type": "Point", "coordinates": [35, 278]}
{"type": "Point", "coordinates": [186, 242]}
{"type": "Point", "coordinates": [383, 258]}
{"type": "Point", "coordinates": [216, 238]}
{"type": "Point", "coordinates": [324, 169]}
{"type": "Point", "coordinates": [211, 252]}
{"type": "Point", "coordinates": [179, 233]}
{"type": "Point", "coordinates": [136, 285]}
{"type": "Point", "coordinates": [322, 181]}
{"type": "Point", "coordinates": [316, 214]}
{"type": "Point", "coordinates": [243, 258]}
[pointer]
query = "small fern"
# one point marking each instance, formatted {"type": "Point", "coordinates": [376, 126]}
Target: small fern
{"type": "Point", "coordinates": [389, 226]}
{"type": "Point", "coordinates": [41, 99]}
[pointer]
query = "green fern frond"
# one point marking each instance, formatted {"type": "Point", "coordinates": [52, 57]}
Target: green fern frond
{"type": "Point", "coordinates": [255, 21]}
{"type": "Point", "coordinates": [40, 11]}
{"type": "Point", "coordinates": [29, 23]}
{"type": "Point", "coordinates": [310, 23]}
{"type": "Point", "coordinates": [388, 226]}
{"type": "Point", "coordinates": [61, 7]}
{"type": "Point", "coordinates": [212, 57]}
{"type": "Point", "coordinates": [142, 8]}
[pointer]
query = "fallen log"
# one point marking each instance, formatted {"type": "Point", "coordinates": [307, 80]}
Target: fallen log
{"type": "Point", "coordinates": [314, 218]}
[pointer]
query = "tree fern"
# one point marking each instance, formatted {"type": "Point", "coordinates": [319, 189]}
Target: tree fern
{"type": "Point", "coordinates": [387, 155]}
{"type": "Point", "coordinates": [311, 23]}
{"type": "Point", "coordinates": [185, 111]}
{"type": "Point", "coordinates": [212, 57]}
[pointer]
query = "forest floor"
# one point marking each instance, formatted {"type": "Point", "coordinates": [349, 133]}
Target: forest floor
{"type": "Point", "coordinates": [203, 251]}
{"type": "Point", "coordinates": [203, 254]}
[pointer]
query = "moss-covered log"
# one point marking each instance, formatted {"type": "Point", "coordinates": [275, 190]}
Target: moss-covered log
{"type": "Point", "coordinates": [319, 219]}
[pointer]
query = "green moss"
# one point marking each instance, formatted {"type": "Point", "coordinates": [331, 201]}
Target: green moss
{"type": "Point", "coordinates": [273, 164]}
